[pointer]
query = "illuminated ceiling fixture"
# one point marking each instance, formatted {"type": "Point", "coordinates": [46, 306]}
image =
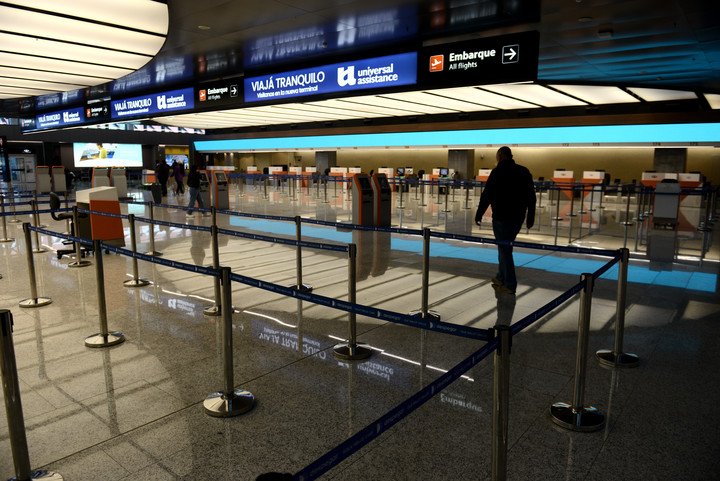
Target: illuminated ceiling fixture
{"type": "Point", "coordinates": [48, 46]}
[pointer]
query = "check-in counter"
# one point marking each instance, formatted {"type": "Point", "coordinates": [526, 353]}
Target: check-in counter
{"type": "Point", "coordinates": [43, 182]}
{"type": "Point", "coordinates": [118, 176]}
{"type": "Point", "coordinates": [595, 179]}
{"type": "Point", "coordinates": [100, 177]}
{"type": "Point", "coordinates": [564, 180]}
{"type": "Point", "coordinates": [651, 179]}
{"type": "Point", "coordinates": [105, 228]}
{"type": "Point", "coordinates": [59, 183]}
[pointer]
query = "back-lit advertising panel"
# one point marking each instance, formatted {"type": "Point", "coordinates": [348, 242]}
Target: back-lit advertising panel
{"type": "Point", "coordinates": [107, 155]}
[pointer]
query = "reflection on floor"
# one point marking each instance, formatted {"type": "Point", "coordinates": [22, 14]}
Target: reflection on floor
{"type": "Point", "coordinates": [134, 411]}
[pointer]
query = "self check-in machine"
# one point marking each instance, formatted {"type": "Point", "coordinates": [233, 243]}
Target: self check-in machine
{"type": "Point", "coordinates": [362, 200]}
{"type": "Point", "coordinates": [382, 196]}
{"type": "Point", "coordinates": [220, 190]}
{"type": "Point", "coordinates": [59, 182]}
{"type": "Point", "coordinates": [119, 181]}
{"type": "Point", "coordinates": [205, 189]}
{"type": "Point", "coordinates": [42, 179]}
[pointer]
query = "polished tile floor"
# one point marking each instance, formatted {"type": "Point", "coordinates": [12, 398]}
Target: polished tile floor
{"type": "Point", "coordinates": [134, 411]}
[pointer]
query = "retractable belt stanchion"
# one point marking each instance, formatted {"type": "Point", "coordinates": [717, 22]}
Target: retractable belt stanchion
{"type": "Point", "coordinates": [13, 406]}
{"type": "Point", "coordinates": [447, 194]}
{"type": "Point", "coordinates": [135, 281]}
{"type": "Point", "coordinates": [467, 196]}
{"type": "Point", "coordinates": [351, 350]}
{"type": "Point", "coordinates": [216, 308]}
{"type": "Point", "coordinates": [5, 237]}
{"type": "Point", "coordinates": [102, 338]}
{"type": "Point", "coordinates": [36, 223]}
{"type": "Point", "coordinates": [616, 357]}
{"type": "Point", "coordinates": [33, 300]}
{"type": "Point", "coordinates": [67, 221]}
{"type": "Point", "coordinates": [327, 179]}
{"type": "Point", "coordinates": [14, 220]}
{"type": "Point", "coordinates": [501, 397]}
{"type": "Point", "coordinates": [298, 258]}
{"type": "Point", "coordinates": [422, 195]}
{"type": "Point", "coordinates": [424, 312]}
{"type": "Point", "coordinates": [152, 251]}
{"type": "Point", "coordinates": [79, 261]}
{"type": "Point", "coordinates": [229, 402]}
{"type": "Point", "coordinates": [577, 416]}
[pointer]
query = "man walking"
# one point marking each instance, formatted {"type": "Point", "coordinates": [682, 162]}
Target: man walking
{"type": "Point", "coordinates": [511, 194]}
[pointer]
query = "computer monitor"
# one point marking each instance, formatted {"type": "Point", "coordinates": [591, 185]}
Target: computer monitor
{"type": "Point", "coordinates": [220, 177]}
{"type": "Point", "coordinates": [400, 171]}
{"type": "Point", "coordinates": [444, 172]}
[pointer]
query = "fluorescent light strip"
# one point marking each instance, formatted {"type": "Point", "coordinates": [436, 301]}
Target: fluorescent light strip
{"type": "Point", "coordinates": [23, 91]}
{"type": "Point", "coordinates": [150, 16]}
{"type": "Point", "coordinates": [96, 73]}
{"type": "Point", "coordinates": [40, 84]}
{"type": "Point", "coordinates": [713, 100]}
{"type": "Point", "coordinates": [484, 97]}
{"type": "Point", "coordinates": [391, 103]}
{"type": "Point", "coordinates": [536, 94]}
{"type": "Point", "coordinates": [365, 109]}
{"type": "Point", "coordinates": [659, 95]}
{"type": "Point", "coordinates": [35, 24]}
{"type": "Point", "coordinates": [44, 76]}
{"type": "Point", "coordinates": [592, 135]}
{"type": "Point", "coordinates": [596, 94]}
{"type": "Point", "coordinates": [429, 98]}
{"type": "Point", "coordinates": [77, 53]}
{"type": "Point", "coordinates": [304, 108]}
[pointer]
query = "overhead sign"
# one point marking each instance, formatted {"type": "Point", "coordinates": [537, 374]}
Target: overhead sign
{"type": "Point", "coordinates": [160, 103]}
{"type": "Point", "coordinates": [97, 111]}
{"type": "Point", "coordinates": [373, 73]}
{"type": "Point", "coordinates": [226, 92]}
{"type": "Point", "coordinates": [63, 118]}
{"type": "Point", "coordinates": [506, 58]}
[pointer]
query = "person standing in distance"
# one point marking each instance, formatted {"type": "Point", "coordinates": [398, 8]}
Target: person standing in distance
{"type": "Point", "coordinates": [510, 192]}
{"type": "Point", "coordinates": [193, 183]}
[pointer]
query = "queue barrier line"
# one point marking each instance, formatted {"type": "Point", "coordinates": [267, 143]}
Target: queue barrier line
{"type": "Point", "coordinates": [278, 240]}
{"type": "Point", "coordinates": [10, 204]}
{"type": "Point", "coordinates": [360, 439]}
{"type": "Point", "coordinates": [606, 267]}
{"type": "Point", "coordinates": [30, 212]}
{"type": "Point", "coordinates": [377, 313]}
{"type": "Point", "coordinates": [544, 310]}
{"type": "Point", "coordinates": [374, 312]}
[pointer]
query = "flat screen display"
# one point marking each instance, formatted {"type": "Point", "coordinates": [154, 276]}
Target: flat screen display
{"type": "Point", "coordinates": [364, 182]}
{"type": "Point", "coordinates": [443, 172]}
{"type": "Point", "coordinates": [107, 155]}
{"type": "Point", "coordinates": [220, 177]}
{"type": "Point", "coordinates": [400, 171]}
{"type": "Point", "coordinates": [179, 158]}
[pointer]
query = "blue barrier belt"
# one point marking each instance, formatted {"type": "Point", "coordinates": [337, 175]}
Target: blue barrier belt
{"type": "Point", "coordinates": [59, 235]}
{"type": "Point", "coordinates": [351, 445]}
{"type": "Point", "coordinates": [605, 267]}
{"type": "Point", "coordinates": [28, 212]}
{"type": "Point", "coordinates": [209, 271]}
{"type": "Point", "coordinates": [374, 312]}
{"type": "Point", "coordinates": [10, 204]}
{"type": "Point", "coordinates": [106, 214]}
{"type": "Point", "coordinates": [395, 230]}
{"type": "Point", "coordinates": [147, 220]}
{"type": "Point", "coordinates": [277, 240]}
{"type": "Point", "coordinates": [530, 319]}
{"type": "Point", "coordinates": [256, 216]}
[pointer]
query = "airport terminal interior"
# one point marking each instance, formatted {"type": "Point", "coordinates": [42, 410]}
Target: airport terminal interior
{"type": "Point", "coordinates": [329, 311]}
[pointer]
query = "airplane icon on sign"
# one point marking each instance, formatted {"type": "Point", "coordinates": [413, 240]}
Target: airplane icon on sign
{"type": "Point", "coordinates": [437, 63]}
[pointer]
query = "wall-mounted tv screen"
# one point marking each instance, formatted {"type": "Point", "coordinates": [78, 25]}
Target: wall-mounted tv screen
{"type": "Point", "coordinates": [107, 155]}
{"type": "Point", "coordinates": [179, 158]}
{"type": "Point", "coordinates": [443, 172]}
{"type": "Point", "coordinates": [400, 171]}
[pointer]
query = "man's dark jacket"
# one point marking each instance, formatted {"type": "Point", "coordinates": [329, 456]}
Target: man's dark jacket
{"type": "Point", "coordinates": [511, 193]}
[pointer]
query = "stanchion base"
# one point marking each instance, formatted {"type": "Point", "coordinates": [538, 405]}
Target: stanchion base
{"type": "Point", "coordinates": [79, 264]}
{"type": "Point", "coordinates": [154, 253]}
{"type": "Point", "coordinates": [39, 251]}
{"type": "Point", "coordinates": [558, 218]}
{"type": "Point", "coordinates": [429, 315]}
{"type": "Point", "coordinates": [213, 311]}
{"type": "Point", "coordinates": [136, 283]}
{"type": "Point", "coordinates": [14, 221]}
{"type": "Point", "coordinates": [627, 223]}
{"type": "Point", "coordinates": [42, 474]}
{"type": "Point", "coordinates": [100, 340]}
{"type": "Point", "coordinates": [302, 288]}
{"type": "Point", "coordinates": [609, 358]}
{"type": "Point", "coordinates": [351, 353]}
{"type": "Point", "coordinates": [218, 405]}
{"type": "Point", "coordinates": [39, 302]}
{"type": "Point", "coordinates": [586, 419]}
{"type": "Point", "coordinates": [9, 239]}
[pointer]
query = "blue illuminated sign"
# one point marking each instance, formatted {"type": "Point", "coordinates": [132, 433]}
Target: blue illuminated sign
{"type": "Point", "coordinates": [62, 118]}
{"type": "Point", "coordinates": [159, 103]}
{"type": "Point", "coordinates": [373, 73]}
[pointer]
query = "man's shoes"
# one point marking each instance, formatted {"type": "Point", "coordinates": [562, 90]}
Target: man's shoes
{"type": "Point", "coordinates": [189, 216]}
{"type": "Point", "coordinates": [503, 290]}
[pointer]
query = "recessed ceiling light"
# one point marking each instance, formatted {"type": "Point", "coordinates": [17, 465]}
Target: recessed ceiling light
{"type": "Point", "coordinates": [585, 19]}
{"type": "Point", "coordinates": [203, 27]}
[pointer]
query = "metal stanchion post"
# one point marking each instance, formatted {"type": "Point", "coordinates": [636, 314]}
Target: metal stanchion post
{"type": "Point", "coordinates": [216, 308]}
{"type": "Point", "coordinates": [351, 350]}
{"type": "Point", "coordinates": [501, 397]}
{"type": "Point", "coordinates": [36, 223]}
{"type": "Point", "coordinates": [152, 251]}
{"type": "Point", "coordinates": [13, 406]}
{"type": "Point", "coordinates": [33, 300]}
{"type": "Point", "coordinates": [5, 237]}
{"type": "Point", "coordinates": [79, 261]}
{"type": "Point", "coordinates": [67, 221]}
{"type": "Point", "coordinates": [317, 187]}
{"type": "Point", "coordinates": [616, 357]}
{"type": "Point", "coordinates": [572, 202]}
{"type": "Point", "coordinates": [582, 199]}
{"type": "Point", "coordinates": [592, 198]}
{"type": "Point", "coordinates": [467, 196]}
{"type": "Point", "coordinates": [14, 220]}
{"type": "Point", "coordinates": [422, 196]}
{"type": "Point", "coordinates": [447, 194]}
{"type": "Point", "coordinates": [298, 258]}
{"type": "Point", "coordinates": [135, 281]}
{"type": "Point", "coordinates": [577, 416]}
{"type": "Point", "coordinates": [327, 179]}
{"type": "Point", "coordinates": [265, 186]}
{"type": "Point", "coordinates": [102, 338]}
{"type": "Point", "coordinates": [229, 402]}
{"type": "Point", "coordinates": [424, 312]}
{"type": "Point", "coordinates": [334, 190]}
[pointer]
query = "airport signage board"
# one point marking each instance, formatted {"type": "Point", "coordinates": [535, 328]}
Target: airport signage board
{"type": "Point", "coordinates": [153, 104]}
{"type": "Point", "coordinates": [373, 73]}
{"type": "Point", "coordinates": [97, 111]}
{"type": "Point", "coordinates": [62, 118]}
{"type": "Point", "coordinates": [505, 58]}
{"type": "Point", "coordinates": [214, 94]}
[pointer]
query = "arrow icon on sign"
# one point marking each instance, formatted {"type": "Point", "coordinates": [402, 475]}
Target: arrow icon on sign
{"type": "Point", "coordinates": [511, 54]}
{"type": "Point", "coordinates": [233, 91]}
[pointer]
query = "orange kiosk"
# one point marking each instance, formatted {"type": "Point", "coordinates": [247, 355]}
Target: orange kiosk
{"type": "Point", "coordinates": [220, 195]}
{"type": "Point", "coordinates": [362, 200]}
{"type": "Point", "coordinates": [564, 178]}
{"type": "Point", "coordinates": [103, 199]}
